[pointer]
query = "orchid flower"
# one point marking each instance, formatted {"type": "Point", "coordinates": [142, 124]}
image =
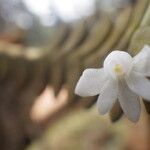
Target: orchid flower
{"type": "Point", "coordinates": [122, 78]}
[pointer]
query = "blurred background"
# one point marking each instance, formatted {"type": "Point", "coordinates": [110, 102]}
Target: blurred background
{"type": "Point", "coordinates": [44, 47]}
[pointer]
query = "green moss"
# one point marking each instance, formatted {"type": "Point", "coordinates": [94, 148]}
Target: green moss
{"type": "Point", "coordinates": [82, 130]}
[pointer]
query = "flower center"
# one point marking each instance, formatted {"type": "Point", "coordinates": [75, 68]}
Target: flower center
{"type": "Point", "coordinates": [117, 63]}
{"type": "Point", "coordinates": [118, 69]}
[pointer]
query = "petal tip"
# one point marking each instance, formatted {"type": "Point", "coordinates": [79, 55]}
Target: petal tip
{"type": "Point", "coordinates": [134, 120]}
{"type": "Point", "coordinates": [146, 46]}
{"type": "Point", "coordinates": [78, 92]}
{"type": "Point", "coordinates": [102, 112]}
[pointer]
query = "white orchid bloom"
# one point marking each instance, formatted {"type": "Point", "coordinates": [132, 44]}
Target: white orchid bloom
{"type": "Point", "coordinates": [122, 78]}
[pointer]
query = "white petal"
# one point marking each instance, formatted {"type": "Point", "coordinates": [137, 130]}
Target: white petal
{"type": "Point", "coordinates": [139, 84]}
{"type": "Point", "coordinates": [91, 82]}
{"type": "Point", "coordinates": [129, 101]}
{"type": "Point", "coordinates": [141, 62]}
{"type": "Point", "coordinates": [117, 57]}
{"type": "Point", "coordinates": [107, 97]}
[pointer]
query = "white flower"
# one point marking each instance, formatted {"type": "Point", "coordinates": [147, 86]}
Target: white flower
{"type": "Point", "coordinates": [122, 78]}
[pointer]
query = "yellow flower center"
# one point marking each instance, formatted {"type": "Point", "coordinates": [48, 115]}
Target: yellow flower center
{"type": "Point", "coordinates": [118, 69]}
